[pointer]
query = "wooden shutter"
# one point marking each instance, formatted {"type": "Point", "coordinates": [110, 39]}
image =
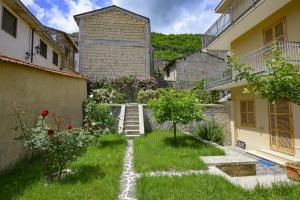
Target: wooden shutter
{"type": "Point", "coordinates": [276, 32]}
{"type": "Point", "coordinates": [248, 113]}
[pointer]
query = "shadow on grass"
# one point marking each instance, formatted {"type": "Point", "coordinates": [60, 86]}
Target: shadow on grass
{"type": "Point", "coordinates": [24, 175]}
{"type": "Point", "coordinates": [111, 143]}
{"type": "Point", "coordinates": [184, 142]}
{"type": "Point", "coordinates": [84, 174]}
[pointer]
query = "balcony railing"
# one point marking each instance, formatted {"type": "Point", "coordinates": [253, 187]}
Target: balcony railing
{"type": "Point", "coordinates": [257, 61]}
{"type": "Point", "coordinates": [233, 13]}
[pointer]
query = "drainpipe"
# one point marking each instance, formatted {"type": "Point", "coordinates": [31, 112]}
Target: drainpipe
{"type": "Point", "coordinates": [32, 43]}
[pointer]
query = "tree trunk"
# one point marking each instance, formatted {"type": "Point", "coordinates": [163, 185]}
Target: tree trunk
{"type": "Point", "coordinates": [174, 130]}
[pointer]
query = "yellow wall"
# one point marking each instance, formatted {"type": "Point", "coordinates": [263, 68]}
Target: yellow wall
{"type": "Point", "coordinates": [253, 39]}
{"type": "Point", "coordinates": [259, 136]}
{"type": "Point", "coordinates": [34, 90]}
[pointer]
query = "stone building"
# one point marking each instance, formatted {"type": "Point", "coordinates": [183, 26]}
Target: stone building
{"type": "Point", "coordinates": [114, 42]}
{"type": "Point", "coordinates": [183, 72]}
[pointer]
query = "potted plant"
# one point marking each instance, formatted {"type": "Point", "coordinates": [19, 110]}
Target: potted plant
{"type": "Point", "coordinates": [293, 170]}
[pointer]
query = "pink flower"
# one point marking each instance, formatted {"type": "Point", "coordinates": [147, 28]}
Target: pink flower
{"type": "Point", "coordinates": [45, 113]}
{"type": "Point", "coordinates": [50, 132]}
{"type": "Point", "coordinates": [69, 126]}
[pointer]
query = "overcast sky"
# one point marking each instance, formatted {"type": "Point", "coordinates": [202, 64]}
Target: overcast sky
{"type": "Point", "coordinates": [167, 16]}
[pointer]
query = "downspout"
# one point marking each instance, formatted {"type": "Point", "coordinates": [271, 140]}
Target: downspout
{"type": "Point", "coordinates": [32, 43]}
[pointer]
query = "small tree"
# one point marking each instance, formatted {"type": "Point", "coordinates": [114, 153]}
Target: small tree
{"type": "Point", "coordinates": [178, 107]}
{"type": "Point", "coordinates": [280, 82]}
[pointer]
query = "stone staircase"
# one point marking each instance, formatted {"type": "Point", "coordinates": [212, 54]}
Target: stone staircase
{"type": "Point", "coordinates": [131, 125]}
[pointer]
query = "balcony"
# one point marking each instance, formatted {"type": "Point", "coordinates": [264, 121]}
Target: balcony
{"type": "Point", "coordinates": [224, 80]}
{"type": "Point", "coordinates": [232, 14]}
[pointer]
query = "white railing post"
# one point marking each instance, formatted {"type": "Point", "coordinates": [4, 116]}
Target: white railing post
{"type": "Point", "coordinates": [121, 119]}
{"type": "Point", "coordinates": [141, 119]}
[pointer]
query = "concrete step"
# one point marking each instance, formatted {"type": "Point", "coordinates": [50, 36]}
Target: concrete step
{"type": "Point", "coordinates": [132, 136]}
{"type": "Point", "coordinates": [131, 123]}
{"type": "Point", "coordinates": [132, 132]}
{"type": "Point", "coordinates": [270, 157]}
{"type": "Point", "coordinates": [131, 127]}
{"type": "Point", "coordinates": [129, 118]}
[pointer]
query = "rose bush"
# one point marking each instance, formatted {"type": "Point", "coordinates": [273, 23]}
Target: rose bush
{"type": "Point", "coordinates": [58, 143]}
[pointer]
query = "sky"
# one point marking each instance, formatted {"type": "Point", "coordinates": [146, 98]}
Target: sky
{"type": "Point", "coordinates": [167, 16]}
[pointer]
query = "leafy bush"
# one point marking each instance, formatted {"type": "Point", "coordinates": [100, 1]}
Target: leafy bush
{"type": "Point", "coordinates": [58, 146]}
{"type": "Point", "coordinates": [106, 95]}
{"type": "Point", "coordinates": [203, 96]}
{"type": "Point", "coordinates": [211, 131]}
{"type": "Point", "coordinates": [128, 86]}
{"type": "Point", "coordinates": [144, 96]}
{"type": "Point", "coordinates": [98, 119]}
{"type": "Point", "coordinates": [178, 107]}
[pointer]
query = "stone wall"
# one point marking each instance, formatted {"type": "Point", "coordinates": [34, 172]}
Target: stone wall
{"type": "Point", "coordinates": [194, 68]}
{"type": "Point", "coordinates": [114, 43]}
{"type": "Point", "coordinates": [219, 113]}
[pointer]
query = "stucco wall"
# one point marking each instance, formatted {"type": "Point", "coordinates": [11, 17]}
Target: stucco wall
{"type": "Point", "coordinates": [254, 39]}
{"type": "Point", "coordinates": [17, 47]}
{"type": "Point", "coordinates": [259, 136]}
{"type": "Point", "coordinates": [34, 90]}
{"type": "Point", "coordinates": [113, 43]}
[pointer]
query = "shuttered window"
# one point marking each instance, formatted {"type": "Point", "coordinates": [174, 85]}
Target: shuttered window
{"type": "Point", "coordinates": [9, 23]}
{"type": "Point", "coordinates": [276, 32]}
{"type": "Point", "coordinates": [43, 49]}
{"type": "Point", "coordinates": [247, 113]}
{"type": "Point", "coordinates": [55, 58]}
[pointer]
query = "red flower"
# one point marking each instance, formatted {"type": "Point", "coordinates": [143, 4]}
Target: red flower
{"type": "Point", "coordinates": [69, 126]}
{"type": "Point", "coordinates": [50, 132]}
{"type": "Point", "coordinates": [45, 113]}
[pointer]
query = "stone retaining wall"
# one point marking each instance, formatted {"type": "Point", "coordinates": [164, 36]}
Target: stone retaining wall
{"type": "Point", "coordinates": [219, 113]}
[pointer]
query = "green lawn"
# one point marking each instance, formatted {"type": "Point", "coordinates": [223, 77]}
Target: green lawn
{"type": "Point", "coordinates": [97, 176]}
{"type": "Point", "coordinates": [158, 151]}
{"type": "Point", "coordinates": [208, 187]}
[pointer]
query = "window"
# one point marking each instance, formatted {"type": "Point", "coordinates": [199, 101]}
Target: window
{"type": "Point", "coordinates": [43, 49]}
{"type": "Point", "coordinates": [276, 32]}
{"type": "Point", "coordinates": [168, 72]}
{"type": "Point", "coordinates": [247, 109]}
{"type": "Point", "coordinates": [9, 23]}
{"type": "Point", "coordinates": [67, 51]}
{"type": "Point", "coordinates": [55, 58]}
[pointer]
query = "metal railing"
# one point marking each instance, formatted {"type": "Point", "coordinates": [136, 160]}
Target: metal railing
{"type": "Point", "coordinates": [257, 61]}
{"type": "Point", "coordinates": [233, 13]}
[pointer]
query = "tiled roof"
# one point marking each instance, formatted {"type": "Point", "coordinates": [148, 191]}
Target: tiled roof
{"type": "Point", "coordinates": [7, 59]}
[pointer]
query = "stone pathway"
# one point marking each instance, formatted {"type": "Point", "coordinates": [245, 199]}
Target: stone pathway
{"type": "Point", "coordinates": [128, 178]}
{"type": "Point", "coordinates": [265, 176]}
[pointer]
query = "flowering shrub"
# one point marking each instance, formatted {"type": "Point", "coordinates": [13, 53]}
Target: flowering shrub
{"type": "Point", "coordinates": [98, 119]}
{"type": "Point", "coordinates": [105, 95]}
{"type": "Point", "coordinates": [59, 143]}
{"type": "Point", "coordinates": [129, 86]}
{"type": "Point", "coordinates": [144, 96]}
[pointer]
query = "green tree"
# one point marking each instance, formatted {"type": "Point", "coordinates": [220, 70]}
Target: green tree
{"type": "Point", "coordinates": [280, 82]}
{"type": "Point", "coordinates": [203, 96]}
{"type": "Point", "coordinates": [178, 107]}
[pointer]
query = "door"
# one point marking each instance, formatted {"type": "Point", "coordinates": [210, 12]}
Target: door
{"type": "Point", "coordinates": [281, 127]}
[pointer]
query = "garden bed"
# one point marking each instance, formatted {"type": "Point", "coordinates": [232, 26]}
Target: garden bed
{"type": "Point", "coordinates": [157, 151]}
{"type": "Point", "coordinates": [97, 175]}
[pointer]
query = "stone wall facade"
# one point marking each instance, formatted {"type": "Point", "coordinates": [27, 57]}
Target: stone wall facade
{"type": "Point", "coordinates": [194, 68]}
{"type": "Point", "coordinates": [114, 42]}
{"type": "Point", "coordinates": [219, 113]}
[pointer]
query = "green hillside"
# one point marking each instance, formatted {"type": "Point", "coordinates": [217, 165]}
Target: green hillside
{"type": "Point", "coordinates": [171, 47]}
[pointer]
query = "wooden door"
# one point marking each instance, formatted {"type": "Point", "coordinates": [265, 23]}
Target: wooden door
{"type": "Point", "coordinates": [281, 127]}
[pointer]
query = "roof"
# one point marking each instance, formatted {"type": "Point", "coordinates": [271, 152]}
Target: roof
{"type": "Point", "coordinates": [113, 7]}
{"type": "Point", "coordinates": [65, 34]}
{"type": "Point", "coordinates": [202, 52]}
{"type": "Point", "coordinates": [11, 60]}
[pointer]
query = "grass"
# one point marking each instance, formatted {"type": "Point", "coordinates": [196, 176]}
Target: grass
{"type": "Point", "coordinates": [97, 176]}
{"type": "Point", "coordinates": [158, 151]}
{"type": "Point", "coordinates": [209, 187]}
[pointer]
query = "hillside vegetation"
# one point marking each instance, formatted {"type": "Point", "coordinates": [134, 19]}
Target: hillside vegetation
{"type": "Point", "coordinates": [171, 47]}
